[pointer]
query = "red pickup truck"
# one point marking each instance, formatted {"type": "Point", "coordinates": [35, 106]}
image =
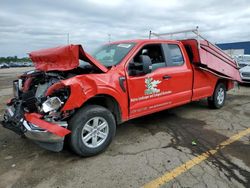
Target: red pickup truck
{"type": "Point", "coordinates": [80, 98]}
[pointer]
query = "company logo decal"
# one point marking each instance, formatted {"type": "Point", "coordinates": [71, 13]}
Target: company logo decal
{"type": "Point", "coordinates": [151, 86]}
{"type": "Point", "coordinates": [151, 91]}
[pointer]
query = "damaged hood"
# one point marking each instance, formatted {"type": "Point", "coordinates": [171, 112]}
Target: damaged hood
{"type": "Point", "coordinates": [63, 58]}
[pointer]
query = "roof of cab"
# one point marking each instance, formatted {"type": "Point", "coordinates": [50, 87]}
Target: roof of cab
{"type": "Point", "coordinates": [142, 41]}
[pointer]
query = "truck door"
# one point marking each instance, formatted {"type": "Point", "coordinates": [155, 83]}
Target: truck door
{"type": "Point", "coordinates": [169, 83]}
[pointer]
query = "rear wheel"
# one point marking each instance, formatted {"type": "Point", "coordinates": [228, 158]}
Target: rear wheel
{"type": "Point", "coordinates": [92, 130]}
{"type": "Point", "coordinates": [218, 99]}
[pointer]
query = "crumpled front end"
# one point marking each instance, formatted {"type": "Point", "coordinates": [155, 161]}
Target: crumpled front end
{"type": "Point", "coordinates": [32, 129]}
{"type": "Point", "coordinates": [35, 114]}
{"type": "Point", "coordinates": [46, 98]}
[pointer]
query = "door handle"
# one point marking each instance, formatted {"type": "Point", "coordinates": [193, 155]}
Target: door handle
{"type": "Point", "coordinates": [166, 77]}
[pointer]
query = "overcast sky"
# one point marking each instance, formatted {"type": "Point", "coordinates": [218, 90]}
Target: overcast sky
{"type": "Point", "coordinates": [27, 25]}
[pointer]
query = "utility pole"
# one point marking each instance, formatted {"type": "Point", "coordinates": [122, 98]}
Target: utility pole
{"type": "Point", "coordinates": [68, 38]}
{"type": "Point", "coordinates": [109, 38]}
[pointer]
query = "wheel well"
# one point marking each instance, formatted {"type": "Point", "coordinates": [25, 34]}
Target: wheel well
{"type": "Point", "coordinates": [108, 102]}
{"type": "Point", "coordinates": [224, 81]}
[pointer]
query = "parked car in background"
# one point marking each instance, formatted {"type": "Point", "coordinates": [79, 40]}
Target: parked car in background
{"type": "Point", "coordinates": [242, 60]}
{"type": "Point", "coordinates": [28, 64]}
{"type": "Point", "coordinates": [245, 73]}
{"type": "Point", "coordinates": [4, 65]}
{"type": "Point", "coordinates": [20, 64]}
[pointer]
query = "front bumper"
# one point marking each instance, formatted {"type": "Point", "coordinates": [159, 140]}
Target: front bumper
{"type": "Point", "coordinates": [42, 135]}
{"type": "Point", "coordinates": [48, 134]}
{"type": "Point", "coordinates": [245, 76]}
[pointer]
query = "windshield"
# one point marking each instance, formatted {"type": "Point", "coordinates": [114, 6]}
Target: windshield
{"type": "Point", "coordinates": [112, 54]}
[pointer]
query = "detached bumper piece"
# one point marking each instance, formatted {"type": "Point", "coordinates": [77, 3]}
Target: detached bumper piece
{"type": "Point", "coordinates": [11, 119]}
{"type": "Point", "coordinates": [49, 135]}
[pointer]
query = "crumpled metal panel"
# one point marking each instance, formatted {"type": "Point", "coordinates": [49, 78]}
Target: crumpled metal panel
{"type": "Point", "coordinates": [62, 58]}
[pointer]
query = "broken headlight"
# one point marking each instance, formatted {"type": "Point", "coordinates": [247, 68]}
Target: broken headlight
{"type": "Point", "coordinates": [51, 104]}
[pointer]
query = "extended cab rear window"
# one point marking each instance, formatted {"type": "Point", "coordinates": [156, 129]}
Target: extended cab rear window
{"type": "Point", "coordinates": [173, 55]}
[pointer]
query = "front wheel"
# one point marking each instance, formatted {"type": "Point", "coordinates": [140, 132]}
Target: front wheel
{"type": "Point", "coordinates": [218, 99]}
{"type": "Point", "coordinates": [92, 130]}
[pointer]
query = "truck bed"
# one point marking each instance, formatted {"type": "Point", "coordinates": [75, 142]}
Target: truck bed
{"type": "Point", "coordinates": [210, 58]}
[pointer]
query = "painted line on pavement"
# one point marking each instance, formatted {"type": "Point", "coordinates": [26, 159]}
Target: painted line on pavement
{"type": "Point", "coordinates": [168, 176]}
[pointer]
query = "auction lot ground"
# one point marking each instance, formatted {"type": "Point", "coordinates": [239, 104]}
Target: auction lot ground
{"type": "Point", "coordinates": [143, 150]}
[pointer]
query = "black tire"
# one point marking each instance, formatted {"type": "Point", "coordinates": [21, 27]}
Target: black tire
{"type": "Point", "coordinates": [80, 120]}
{"type": "Point", "coordinates": [213, 101]}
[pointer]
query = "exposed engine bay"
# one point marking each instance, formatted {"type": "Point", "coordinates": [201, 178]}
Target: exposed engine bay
{"type": "Point", "coordinates": [30, 93]}
{"type": "Point", "coordinates": [31, 96]}
{"type": "Point", "coordinates": [43, 98]}
{"type": "Point", "coordinates": [31, 89]}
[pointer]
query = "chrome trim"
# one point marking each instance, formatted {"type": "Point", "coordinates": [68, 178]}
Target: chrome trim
{"type": "Point", "coordinates": [43, 135]}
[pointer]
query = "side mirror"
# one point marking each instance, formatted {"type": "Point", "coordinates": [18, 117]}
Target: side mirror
{"type": "Point", "coordinates": [146, 63]}
{"type": "Point", "coordinates": [142, 66]}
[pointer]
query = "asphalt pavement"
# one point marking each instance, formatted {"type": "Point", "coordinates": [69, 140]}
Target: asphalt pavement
{"type": "Point", "coordinates": [181, 147]}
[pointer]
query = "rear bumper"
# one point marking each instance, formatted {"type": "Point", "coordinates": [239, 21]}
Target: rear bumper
{"type": "Point", "coordinates": [33, 128]}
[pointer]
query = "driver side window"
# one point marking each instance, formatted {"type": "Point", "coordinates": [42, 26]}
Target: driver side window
{"type": "Point", "coordinates": [155, 53]}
